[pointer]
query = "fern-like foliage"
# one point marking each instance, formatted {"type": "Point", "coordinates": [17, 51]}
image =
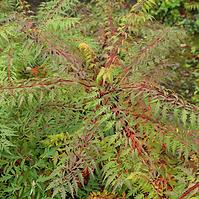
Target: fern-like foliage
{"type": "Point", "coordinates": [194, 5]}
{"type": "Point", "coordinates": [80, 89]}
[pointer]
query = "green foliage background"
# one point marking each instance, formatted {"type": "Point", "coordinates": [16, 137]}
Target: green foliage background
{"type": "Point", "coordinates": [184, 14]}
{"type": "Point", "coordinates": [83, 109]}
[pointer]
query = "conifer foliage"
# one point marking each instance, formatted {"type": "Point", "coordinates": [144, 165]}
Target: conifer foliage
{"type": "Point", "coordinates": [82, 110]}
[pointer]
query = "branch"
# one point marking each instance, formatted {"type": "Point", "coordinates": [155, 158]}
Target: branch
{"type": "Point", "coordinates": [138, 6]}
{"type": "Point", "coordinates": [40, 37]}
{"type": "Point", "coordinates": [25, 6]}
{"type": "Point", "coordinates": [189, 190]}
{"type": "Point", "coordinates": [44, 84]}
{"type": "Point", "coordinates": [142, 54]}
{"type": "Point", "coordinates": [161, 93]}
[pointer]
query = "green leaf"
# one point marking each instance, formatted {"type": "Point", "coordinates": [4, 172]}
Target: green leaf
{"type": "Point", "coordinates": [184, 117]}
{"type": "Point", "coordinates": [100, 74]}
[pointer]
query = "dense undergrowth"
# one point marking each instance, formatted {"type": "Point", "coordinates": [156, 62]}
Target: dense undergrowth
{"type": "Point", "coordinates": [82, 110]}
{"type": "Point", "coordinates": [183, 13]}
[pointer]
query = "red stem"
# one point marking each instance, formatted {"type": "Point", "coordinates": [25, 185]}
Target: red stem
{"type": "Point", "coordinates": [43, 84]}
{"type": "Point", "coordinates": [189, 190]}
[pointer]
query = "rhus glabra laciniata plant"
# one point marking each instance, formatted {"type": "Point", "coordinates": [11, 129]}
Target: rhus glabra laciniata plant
{"type": "Point", "coordinates": [82, 110]}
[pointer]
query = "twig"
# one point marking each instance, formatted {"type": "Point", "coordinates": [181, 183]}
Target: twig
{"type": "Point", "coordinates": [142, 54]}
{"type": "Point", "coordinates": [44, 84]}
{"type": "Point", "coordinates": [189, 190]}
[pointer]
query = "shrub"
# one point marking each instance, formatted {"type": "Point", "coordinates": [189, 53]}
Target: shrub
{"type": "Point", "coordinates": [80, 89]}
